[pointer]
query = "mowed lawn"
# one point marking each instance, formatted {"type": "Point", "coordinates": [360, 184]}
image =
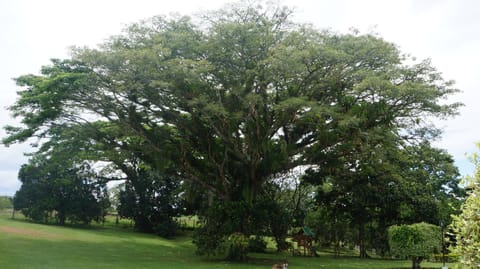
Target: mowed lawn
{"type": "Point", "coordinates": [25, 245]}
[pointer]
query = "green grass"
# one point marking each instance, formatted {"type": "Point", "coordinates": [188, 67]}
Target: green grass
{"type": "Point", "coordinates": [25, 245]}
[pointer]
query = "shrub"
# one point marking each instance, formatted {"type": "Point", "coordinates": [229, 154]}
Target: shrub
{"type": "Point", "coordinates": [416, 241]}
{"type": "Point", "coordinates": [467, 229]}
{"type": "Point", "coordinates": [237, 246]}
{"type": "Point", "coordinates": [257, 244]}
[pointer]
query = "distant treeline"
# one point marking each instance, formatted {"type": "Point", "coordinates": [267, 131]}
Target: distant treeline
{"type": "Point", "coordinates": [6, 202]}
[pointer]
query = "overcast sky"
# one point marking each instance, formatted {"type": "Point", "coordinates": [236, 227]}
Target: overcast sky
{"type": "Point", "coordinates": [447, 31]}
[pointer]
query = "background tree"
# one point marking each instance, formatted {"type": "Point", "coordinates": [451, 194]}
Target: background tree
{"type": "Point", "coordinates": [6, 202]}
{"type": "Point", "coordinates": [150, 195]}
{"type": "Point", "coordinates": [390, 186]}
{"type": "Point", "coordinates": [151, 201]}
{"type": "Point", "coordinates": [431, 186]}
{"type": "Point", "coordinates": [287, 201]}
{"type": "Point", "coordinates": [60, 179]}
{"type": "Point", "coordinates": [49, 186]}
{"type": "Point", "coordinates": [331, 227]}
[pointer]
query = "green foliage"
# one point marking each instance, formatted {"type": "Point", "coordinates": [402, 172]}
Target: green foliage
{"type": "Point", "coordinates": [383, 186]}
{"type": "Point", "coordinates": [432, 173]}
{"type": "Point", "coordinates": [329, 227]}
{"type": "Point", "coordinates": [257, 244]}
{"type": "Point", "coordinates": [150, 200]}
{"type": "Point", "coordinates": [274, 213]}
{"type": "Point", "coordinates": [279, 222]}
{"type": "Point", "coordinates": [416, 241]}
{"type": "Point", "coordinates": [66, 191]}
{"type": "Point", "coordinates": [467, 224]}
{"type": "Point", "coordinates": [467, 229]}
{"type": "Point", "coordinates": [220, 222]}
{"type": "Point", "coordinates": [237, 245]}
{"type": "Point", "coordinates": [6, 202]}
{"type": "Point", "coordinates": [58, 182]}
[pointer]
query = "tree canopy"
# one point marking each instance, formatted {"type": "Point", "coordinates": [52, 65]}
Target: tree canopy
{"type": "Point", "coordinates": [57, 186]}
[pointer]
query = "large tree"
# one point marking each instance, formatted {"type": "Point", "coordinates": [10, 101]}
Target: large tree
{"type": "Point", "coordinates": [238, 99]}
{"type": "Point", "coordinates": [68, 190]}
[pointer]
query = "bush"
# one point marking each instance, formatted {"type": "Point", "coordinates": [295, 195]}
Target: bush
{"type": "Point", "coordinates": [222, 231]}
{"type": "Point", "coordinates": [467, 230]}
{"type": "Point", "coordinates": [237, 245]}
{"type": "Point", "coordinates": [417, 241]}
{"type": "Point", "coordinates": [166, 228]}
{"type": "Point", "coordinates": [208, 241]}
{"type": "Point", "coordinates": [257, 244]}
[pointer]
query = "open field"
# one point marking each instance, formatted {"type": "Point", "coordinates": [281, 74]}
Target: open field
{"type": "Point", "coordinates": [26, 245]}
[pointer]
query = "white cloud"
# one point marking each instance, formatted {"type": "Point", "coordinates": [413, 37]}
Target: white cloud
{"type": "Point", "coordinates": [8, 182]}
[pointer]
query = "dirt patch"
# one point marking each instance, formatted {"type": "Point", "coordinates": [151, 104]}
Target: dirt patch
{"type": "Point", "coordinates": [27, 233]}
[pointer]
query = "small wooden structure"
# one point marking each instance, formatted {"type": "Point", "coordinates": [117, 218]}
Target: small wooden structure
{"type": "Point", "coordinates": [304, 243]}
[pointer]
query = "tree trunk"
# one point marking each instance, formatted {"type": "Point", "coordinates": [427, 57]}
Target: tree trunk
{"type": "Point", "coordinates": [416, 262]}
{"type": "Point", "coordinates": [361, 241]}
{"type": "Point", "coordinates": [61, 217]}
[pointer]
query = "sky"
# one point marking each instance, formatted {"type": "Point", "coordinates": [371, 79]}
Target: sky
{"type": "Point", "coordinates": [447, 31]}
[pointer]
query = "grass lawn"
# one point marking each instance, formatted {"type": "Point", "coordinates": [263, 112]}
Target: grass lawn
{"type": "Point", "coordinates": [25, 245]}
